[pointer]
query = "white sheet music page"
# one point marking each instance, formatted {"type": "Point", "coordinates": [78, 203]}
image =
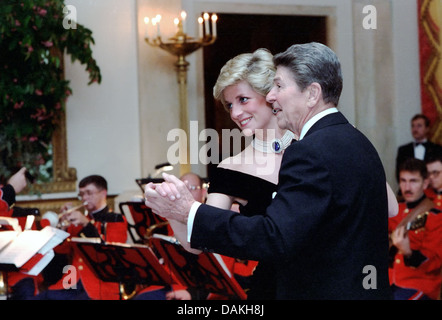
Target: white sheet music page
{"type": "Point", "coordinates": [6, 237]}
{"type": "Point", "coordinates": [13, 222]}
{"type": "Point", "coordinates": [42, 263]}
{"type": "Point", "coordinates": [28, 243]}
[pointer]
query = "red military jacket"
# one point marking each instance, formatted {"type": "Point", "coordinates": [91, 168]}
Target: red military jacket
{"type": "Point", "coordinates": [436, 196]}
{"type": "Point", "coordinates": [7, 198]}
{"type": "Point", "coordinates": [421, 271]}
{"type": "Point", "coordinates": [108, 225]}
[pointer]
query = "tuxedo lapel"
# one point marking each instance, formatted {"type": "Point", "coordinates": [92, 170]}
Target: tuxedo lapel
{"type": "Point", "coordinates": [328, 120]}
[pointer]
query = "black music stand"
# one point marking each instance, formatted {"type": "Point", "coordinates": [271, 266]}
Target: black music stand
{"type": "Point", "coordinates": [123, 263]}
{"type": "Point", "coordinates": [205, 271]}
{"type": "Point", "coordinates": [139, 218]}
{"type": "Point", "coordinates": [141, 182]}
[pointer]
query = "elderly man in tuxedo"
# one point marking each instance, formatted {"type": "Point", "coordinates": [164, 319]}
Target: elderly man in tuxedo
{"type": "Point", "coordinates": [326, 228]}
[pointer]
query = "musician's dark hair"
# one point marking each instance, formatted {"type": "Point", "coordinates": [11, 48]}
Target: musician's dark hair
{"type": "Point", "coordinates": [422, 116]}
{"type": "Point", "coordinates": [434, 158]}
{"type": "Point", "coordinates": [95, 179]}
{"type": "Point", "coordinates": [414, 165]}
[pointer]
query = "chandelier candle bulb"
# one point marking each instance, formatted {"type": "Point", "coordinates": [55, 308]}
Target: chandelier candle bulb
{"type": "Point", "coordinates": [146, 29]}
{"type": "Point", "coordinates": [206, 24]}
{"type": "Point", "coordinates": [157, 20]}
{"type": "Point", "coordinates": [183, 20]}
{"type": "Point", "coordinates": [176, 22]}
{"type": "Point", "coordinates": [200, 27]}
{"type": "Point", "coordinates": [214, 18]}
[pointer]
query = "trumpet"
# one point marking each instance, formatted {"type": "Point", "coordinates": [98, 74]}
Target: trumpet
{"type": "Point", "coordinates": [54, 218]}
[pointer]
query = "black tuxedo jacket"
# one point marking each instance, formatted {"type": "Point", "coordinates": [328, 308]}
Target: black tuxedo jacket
{"type": "Point", "coordinates": [326, 229]}
{"type": "Point", "coordinates": [407, 151]}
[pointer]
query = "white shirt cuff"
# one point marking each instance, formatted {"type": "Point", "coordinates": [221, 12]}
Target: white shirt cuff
{"type": "Point", "coordinates": [191, 218]}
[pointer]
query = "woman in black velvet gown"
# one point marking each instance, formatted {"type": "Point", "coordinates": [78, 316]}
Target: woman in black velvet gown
{"type": "Point", "coordinates": [250, 177]}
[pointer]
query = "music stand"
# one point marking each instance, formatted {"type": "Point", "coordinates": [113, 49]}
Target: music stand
{"type": "Point", "coordinates": [204, 271]}
{"type": "Point", "coordinates": [123, 263]}
{"type": "Point", "coordinates": [139, 218]}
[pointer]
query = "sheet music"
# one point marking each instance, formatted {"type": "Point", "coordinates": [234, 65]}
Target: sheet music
{"type": "Point", "coordinates": [7, 221]}
{"type": "Point", "coordinates": [222, 264]}
{"type": "Point", "coordinates": [40, 265]}
{"type": "Point", "coordinates": [27, 243]}
{"type": "Point", "coordinates": [6, 237]}
{"type": "Point", "coordinates": [58, 237]}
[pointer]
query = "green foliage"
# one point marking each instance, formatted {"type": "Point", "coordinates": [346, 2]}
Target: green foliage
{"type": "Point", "coordinates": [33, 90]}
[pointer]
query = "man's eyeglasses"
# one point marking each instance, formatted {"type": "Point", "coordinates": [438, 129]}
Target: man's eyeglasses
{"type": "Point", "coordinates": [434, 173]}
{"type": "Point", "coordinates": [87, 193]}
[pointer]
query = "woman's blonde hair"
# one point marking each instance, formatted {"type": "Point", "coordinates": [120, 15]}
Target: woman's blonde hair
{"type": "Point", "coordinates": [256, 68]}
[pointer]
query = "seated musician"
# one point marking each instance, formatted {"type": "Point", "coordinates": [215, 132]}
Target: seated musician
{"type": "Point", "coordinates": [79, 281]}
{"type": "Point", "coordinates": [416, 238]}
{"type": "Point", "coordinates": [434, 192]}
{"type": "Point", "coordinates": [241, 269]}
{"type": "Point", "coordinates": [21, 285]}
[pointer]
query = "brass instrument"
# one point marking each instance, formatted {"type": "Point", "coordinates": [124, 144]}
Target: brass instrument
{"type": "Point", "coordinates": [150, 230]}
{"type": "Point", "coordinates": [54, 218]}
{"type": "Point", "coordinates": [3, 286]}
{"type": "Point", "coordinates": [66, 223]}
{"type": "Point", "coordinates": [72, 209]}
{"type": "Point", "coordinates": [127, 296]}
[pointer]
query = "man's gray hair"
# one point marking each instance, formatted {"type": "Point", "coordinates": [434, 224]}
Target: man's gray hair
{"type": "Point", "coordinates": [314, 62]}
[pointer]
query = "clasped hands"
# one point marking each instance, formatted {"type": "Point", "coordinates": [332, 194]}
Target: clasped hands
{"type": "Point", "coordinates": [170, 199]}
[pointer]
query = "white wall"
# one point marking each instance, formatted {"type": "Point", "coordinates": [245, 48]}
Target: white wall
{"type": "Point", "coordinates": [407, 92]}
{"type": "Point", "coordinates": [406, 62]}
{"type": "Point", "coordinates": [103, 119]}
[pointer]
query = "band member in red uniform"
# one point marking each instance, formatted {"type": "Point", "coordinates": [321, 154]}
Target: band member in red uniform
{"type": "Point", "coordinates": [21, 286]}
{"type": "Point", "coordinates": [79, 281]}
{"type": "Point", "coordinates": [14, 185]}
{"type": "Point", "coordinates": [434, 192]}
{"type": "Point", "coordinates": [416, 238]}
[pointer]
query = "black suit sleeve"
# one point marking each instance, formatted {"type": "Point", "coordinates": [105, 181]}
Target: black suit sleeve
{"type": "Point", "coordinates": [291, 219]}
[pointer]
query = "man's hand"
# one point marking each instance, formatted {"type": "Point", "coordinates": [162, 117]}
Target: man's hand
{"type": "Point", "coordinates": [76, 218]}
{"type": "Point", "coordinates": [72, 217]}
{"type": "Point", "coordinates": [18, 180]}
{"type": "Point", "coordinates": [170, 199]}
{"type": "Point", "coordinates": [401, 241]}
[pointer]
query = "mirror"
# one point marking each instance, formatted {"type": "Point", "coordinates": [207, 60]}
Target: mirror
{"type": "Point", "coordinates": [64, 179]}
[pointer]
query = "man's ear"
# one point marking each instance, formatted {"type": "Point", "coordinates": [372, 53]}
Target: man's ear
{"type": "Point", "coordinates": [426, 183]}
{"type": "Point", "coordinates": [314, 93]}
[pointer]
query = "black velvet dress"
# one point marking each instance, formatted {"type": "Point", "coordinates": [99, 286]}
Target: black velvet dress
{"type": "Point", "coordinates": [258, 193]}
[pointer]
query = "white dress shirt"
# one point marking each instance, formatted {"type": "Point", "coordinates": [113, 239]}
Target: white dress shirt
{"type": "Point", "coordinates": [419, 150]}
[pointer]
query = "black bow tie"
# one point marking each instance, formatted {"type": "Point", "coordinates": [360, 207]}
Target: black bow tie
{"type": "Point", "coordinates": [419, 143]}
